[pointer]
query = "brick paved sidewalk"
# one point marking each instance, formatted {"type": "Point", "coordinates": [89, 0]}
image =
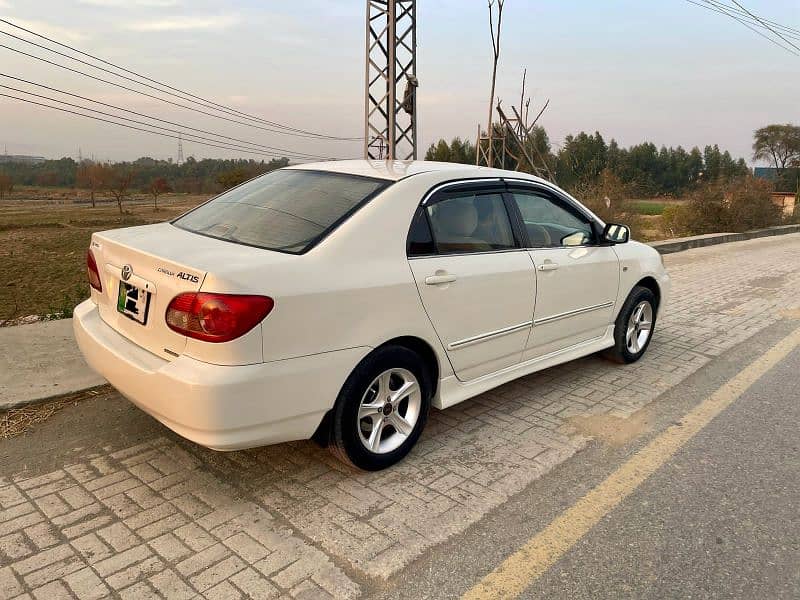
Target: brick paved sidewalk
{"type": "Point", "coordinates": [169, 518]}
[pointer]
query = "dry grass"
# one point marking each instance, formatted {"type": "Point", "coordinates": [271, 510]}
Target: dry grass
{"type": "Point", "coordinates": [19, 420]}
{"type": "Point", "coordinates": [44, 234]}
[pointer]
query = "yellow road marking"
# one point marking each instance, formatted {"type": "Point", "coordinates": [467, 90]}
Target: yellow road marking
{"type": "Point", "coordinates": [542, 551]}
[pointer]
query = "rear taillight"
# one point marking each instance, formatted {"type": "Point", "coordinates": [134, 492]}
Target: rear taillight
{"type": "Point", "coordinates": [93, 272]}
{"type": "Point", "coordinates": [216, 317]}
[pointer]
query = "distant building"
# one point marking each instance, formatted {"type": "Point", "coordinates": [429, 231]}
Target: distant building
{"type": "Point", "coordinates": [22, 158]}
{"type": "Point", "coordinates": [768, 173]}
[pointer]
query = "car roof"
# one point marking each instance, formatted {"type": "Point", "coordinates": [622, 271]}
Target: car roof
{"type": "Point", "coordinates": [394, 170]}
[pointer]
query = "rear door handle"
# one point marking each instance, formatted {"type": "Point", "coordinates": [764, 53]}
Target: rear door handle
{"type": "Point", "coordinates": [440, 279]}
{"type": "Point", "coordinates": [548, 265]}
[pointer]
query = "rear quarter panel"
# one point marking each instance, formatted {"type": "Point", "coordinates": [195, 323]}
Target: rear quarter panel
{"type": "Point", "coordinates": [354, 289]}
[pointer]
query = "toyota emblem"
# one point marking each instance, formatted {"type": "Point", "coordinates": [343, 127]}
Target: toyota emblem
{"type": "Point", "coordinates": [127, 271]}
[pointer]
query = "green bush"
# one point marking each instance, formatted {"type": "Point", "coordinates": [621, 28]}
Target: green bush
{"type": "Point", "coordinates": [737, 206]}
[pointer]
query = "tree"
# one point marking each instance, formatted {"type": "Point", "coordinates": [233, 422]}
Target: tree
{"type": "Point", "coordinates": [495, 59]}
{"type": "Point", "coordinates": [779, 144]}
{"type": "Point", "coordinates": [234, 177]}
{"type": "Point", "coordinates": [158, 186]}
{"type": "Point", "coordinates": [581, 160]}
{"type": "Point", "coordinates": [92, 176]}
{"type": "Point", "coordinates": [6, 185]}
{"type": "Point", "coordinates": [119, 183]}
{"type": "Point", "coordinates": [457, 151]}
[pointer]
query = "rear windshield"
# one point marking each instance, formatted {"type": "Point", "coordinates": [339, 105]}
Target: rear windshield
{"type": "Point", "coordinates": [287, 210]}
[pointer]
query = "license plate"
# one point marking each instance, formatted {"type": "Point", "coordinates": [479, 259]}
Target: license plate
{"type": "Point", "coordinates": [133, 302]}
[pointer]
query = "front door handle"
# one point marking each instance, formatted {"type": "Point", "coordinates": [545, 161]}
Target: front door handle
{"type": "Point", "coordinates": [440, 279]}
{"type": "Point", "coordinates": [548, 265]}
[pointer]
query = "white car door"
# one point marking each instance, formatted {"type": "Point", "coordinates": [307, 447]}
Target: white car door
{"type": "Point", "coordinates": [476, 282]}
{"type": "Point", "coordinates": [577, 278]}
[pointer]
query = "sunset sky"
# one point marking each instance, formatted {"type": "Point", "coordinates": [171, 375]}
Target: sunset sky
{"type": "Point", "coordinates": [668, 71]}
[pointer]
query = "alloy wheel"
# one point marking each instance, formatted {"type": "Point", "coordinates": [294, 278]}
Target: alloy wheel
{"type": "Point", "coordinates": [389, 410]}
{"type": "Point", "coordinates": [640, 326]}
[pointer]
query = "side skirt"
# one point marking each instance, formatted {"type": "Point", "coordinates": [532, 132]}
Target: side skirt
{"type": "Point", "coordinates": [452, 391]}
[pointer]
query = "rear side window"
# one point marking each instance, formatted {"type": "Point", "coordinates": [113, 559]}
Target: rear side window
{"type": "Point", "coordinates": [470, 222]}
{"type": "Point", "coordinates": [286, 210]}
{"type": "Point", "coordinates": [420, 239]}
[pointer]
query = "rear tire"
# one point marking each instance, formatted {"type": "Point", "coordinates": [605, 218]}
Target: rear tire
{"type": "Point", "coordinates": [381, 409]}
{"type": "Point", "coordinates": [634, 327]}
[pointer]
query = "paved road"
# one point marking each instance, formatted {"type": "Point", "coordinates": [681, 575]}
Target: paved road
{"type": "Point", "coordinates": [722, 519]}
{"type": "Point", "coordinates": [102, 500]}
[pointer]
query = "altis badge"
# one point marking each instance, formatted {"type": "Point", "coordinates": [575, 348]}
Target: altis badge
{"type": "Point", "coordinates": [182, 275]}
{"type": "Point", "coordinates": [188, 277]}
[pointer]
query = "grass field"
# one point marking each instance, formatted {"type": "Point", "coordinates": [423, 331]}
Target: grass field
{"type": "Point", "coordinates": [649, 207]}
{"type": "Point", "coordinates": [44, 235]}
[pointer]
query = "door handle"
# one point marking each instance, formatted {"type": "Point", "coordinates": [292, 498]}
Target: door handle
{"type": "Point", "coordinates": [548, 265]}
{"type": "Point", "coordinates": [440, 279]}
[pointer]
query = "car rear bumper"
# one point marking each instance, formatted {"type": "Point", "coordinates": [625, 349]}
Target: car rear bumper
{"type": "Point", "coordinates": [220, 407]}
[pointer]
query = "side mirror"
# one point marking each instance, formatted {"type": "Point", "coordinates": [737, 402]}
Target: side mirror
{"type": "Point", "coordinates": [614, 233]}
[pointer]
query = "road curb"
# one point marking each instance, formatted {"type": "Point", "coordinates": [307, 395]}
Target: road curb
{"type": "Point", "coordinates": [712, 239]}
{"type": "Point", "coordinates": [95, 390]}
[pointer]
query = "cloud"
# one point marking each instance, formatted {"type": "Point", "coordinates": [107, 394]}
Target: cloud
{"type": "Point", "coordinates": [186, 23]}
{"type": "Point", "coordinates": [52, 31]}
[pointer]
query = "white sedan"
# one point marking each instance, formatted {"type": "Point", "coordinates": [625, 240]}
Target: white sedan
{"type": "Point", "coordinates": [342, 300]}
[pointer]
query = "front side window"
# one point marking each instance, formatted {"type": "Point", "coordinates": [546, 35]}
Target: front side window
{"type": "Point", "coordinates": [470, 222]}
{"type": "Point", "coordinates": [287, 210]}
{"type": "Point", "coordinates": [550, 224]}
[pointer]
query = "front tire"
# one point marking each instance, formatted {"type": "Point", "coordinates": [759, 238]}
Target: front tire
{"type": "Point", "coordinates": [634, 327]}
{"type": "Point", "coordinates": [381, 409]}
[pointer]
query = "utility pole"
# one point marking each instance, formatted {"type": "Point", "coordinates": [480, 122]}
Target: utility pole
{"type": "Point", "coordinates": [390, 118]}
{"type": "Point", "coordinates": [180, 150]}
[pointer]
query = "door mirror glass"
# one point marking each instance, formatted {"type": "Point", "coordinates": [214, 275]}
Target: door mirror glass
{"type": "Point", "coordinates": [615, 233]}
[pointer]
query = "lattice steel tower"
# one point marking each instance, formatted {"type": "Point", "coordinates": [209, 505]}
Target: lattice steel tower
{"type": "Point", "coordinates": [390, 120]}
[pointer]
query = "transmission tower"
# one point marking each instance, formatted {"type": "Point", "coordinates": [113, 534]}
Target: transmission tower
{"type": "Point", "coordinates": [180, 150]}
{"type": "Point", "coordinates": [390, 119]}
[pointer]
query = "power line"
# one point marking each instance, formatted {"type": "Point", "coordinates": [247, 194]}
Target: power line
{"type": "Point", "coordinates": [141, 93]}
{"type": "Point", "coordinates": [158, 127]}
{"type": "Point", "coordinates": [706, 5]}
{"type": "Point", "coordinates": [792, 31]}
{"type": "Point", "coordinates": [214, 105]}
{"type": "Point", "coordinates": [133, 112]}
{"type": "Point", "coordinates": [793, 45]}
{"type": "Point", "coordinates": [175, 137]}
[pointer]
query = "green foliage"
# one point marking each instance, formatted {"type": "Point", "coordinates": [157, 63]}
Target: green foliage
{"type": "Point", "coordinates": [581, 160]}
{"type": "Point", "coordinates": [779, 145]}
{"type": "Point", "coordinates": [457, 151]}
{"type": "Point", "coordinates": [642, 169]}
{"type": "Point", "coordinates": [738, 205]}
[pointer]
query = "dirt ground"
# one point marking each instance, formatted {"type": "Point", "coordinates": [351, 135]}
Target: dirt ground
{"type": "Point", "coordinates": [44, 235]}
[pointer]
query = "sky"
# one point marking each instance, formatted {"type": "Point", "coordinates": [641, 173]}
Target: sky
{"type": "Point", "coordinates": [667, 72]}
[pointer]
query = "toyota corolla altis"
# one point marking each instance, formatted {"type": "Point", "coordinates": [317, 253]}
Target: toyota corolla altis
{"type": "Point", "coordinates": [343, 300]}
